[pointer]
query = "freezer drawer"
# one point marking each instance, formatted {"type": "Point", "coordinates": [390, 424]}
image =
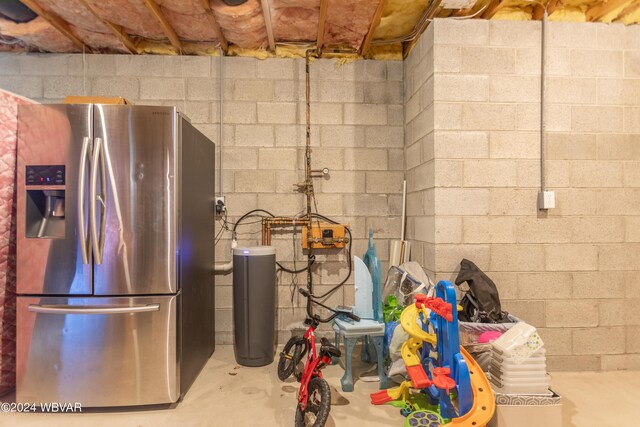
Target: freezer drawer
{"type": "Point", "coordinates": [97, 351]}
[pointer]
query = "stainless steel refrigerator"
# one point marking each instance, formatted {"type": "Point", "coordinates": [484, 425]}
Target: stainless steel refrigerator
{"type": "Point", "coordinates": [115, 253]}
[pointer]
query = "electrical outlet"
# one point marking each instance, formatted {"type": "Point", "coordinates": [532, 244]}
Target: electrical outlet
{"type": "Point", "coordinates": [220, 205]}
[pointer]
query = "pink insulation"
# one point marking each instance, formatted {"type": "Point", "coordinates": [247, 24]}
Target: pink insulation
{"type": "Point", "coordinates": [38, 33]}
{"type": "Point", "coordinates": [75, 13]}
{"type": "Point", "coordinates": [186, 7]}
{"type": "Point", "coordinates": [243, 25]}
{"type": "Point", "coordinates": [100, 40]}
{"type": "Point", "coordinates": [84, 24]}
{"type": "Point", "coordinates": [295, 20]}
{"type": "Point", "coordinates": [190, 27]}
{"type": "Point", "coordinates": [133, 15]}
{"type": "Point", "coordinates": [348, 21]}
{"type": "Point", "coordinates": [8, 142]}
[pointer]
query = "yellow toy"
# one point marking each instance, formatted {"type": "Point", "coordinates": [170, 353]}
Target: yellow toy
{"type": "Point", "coordinates": [454, 371]}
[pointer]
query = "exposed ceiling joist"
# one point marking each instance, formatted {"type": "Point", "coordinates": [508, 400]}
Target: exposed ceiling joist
{"type": "Point", "coordinates": [538, 12]}
{"type": "Point", "coordinates": [117, 30]}
{"type": "Point", "coordinates": [628, 11]}
{"type": "Point", "coordinates": [445, 13]}
{"type": "Point", "coordinates": [266, 12]}
{"type": "Point", "coordinates": [463, 12]}
{"type": "Point", "coordinates": [216, 27]}
{"type": "Point", "coordinates": [57, 22]}
{"type": "Point", "coordinates": [435, 10]}
{"type": "Point", "coordinates": [366, 43]}
{"type": "Point", "coordinates": [324, 7]}
{"type": "Point", "coordinates": [493, 8]}
{"type": "Point", "coordinates": [552, 6]}
{"type": "Point", "coordinates": [601, 9]}
{"type": "Point", "coordinates": [166, 27]}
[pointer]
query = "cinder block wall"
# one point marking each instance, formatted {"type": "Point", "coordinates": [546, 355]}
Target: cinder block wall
{"type": "Point", "coordinates": [573, 272]}
{"type": "Point", "coordinates": [419, 154]}
{"type": "Point", "coordinates": [357, 132]}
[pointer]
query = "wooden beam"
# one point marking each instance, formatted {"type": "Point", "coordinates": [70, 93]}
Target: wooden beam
{"type": "Point", "coordinates": [166, 27]}
{"type": "Point", "coordinates": [598, 11]}
{"type": "Point", "coordinates": [57, 22]}
{"type": "Point", "coordinates": [216, 27]}
{"type": "Point", "coordinates": [266, 12]}
{"type": "Point", "coordinates": [117, 30]}
{"type": "Point", "coordinates": [324, 7]}
{"type": "Point", "coordinates": [436, 9]}
{"type": "Point", "coordinates": [463, 12]}
{"type": "Point", "coordinates": [493, 8]}
{"type": "Point", "coordinates": [627, 11]}
{"type": "Point", "coordinates": [375, 22]}
{"type": "Point", "coordinates": [538, 12]}
{"type": "Point", "coordinates": [552, 6]}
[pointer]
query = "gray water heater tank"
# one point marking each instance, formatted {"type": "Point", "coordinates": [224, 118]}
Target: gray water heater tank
{"type": "Point", "coordinates": [254, 304]}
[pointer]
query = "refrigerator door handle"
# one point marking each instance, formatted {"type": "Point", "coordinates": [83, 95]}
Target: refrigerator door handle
{"type": "Point", "coordinates": [97, 241]}
{"type": "Point", "coordinates": [84, 243]}
{"type": "Point", "coordinates": [67, 309]}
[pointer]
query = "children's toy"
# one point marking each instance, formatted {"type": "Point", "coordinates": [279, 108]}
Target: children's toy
{"type": "Point", "coordinates": [314, 396]}
{"type": "Point", "coordinates": [423, 419]}
{"type": "Point", "coordinates": [370, 329]}
{"type": "Point", "coordinates": [438, 367]}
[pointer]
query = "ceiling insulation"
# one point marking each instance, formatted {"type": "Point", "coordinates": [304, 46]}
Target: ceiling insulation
{"type": "Point", "coordinates": [193, 26]}
{"type": "Point", "coordinates": [295, 20]}
{"type": "Point", "coordinates": [132, 15]}
{"type": "Point", "coordinates": [285, 28]}
{"type": "Point", "coordinates": [399, 17]}
{"type": "Point", "coordinates": [348, 22]}
{"type": "Point", "coordinates": [243, 25]}
{"type": "Point", "coordinates": [38, 33]}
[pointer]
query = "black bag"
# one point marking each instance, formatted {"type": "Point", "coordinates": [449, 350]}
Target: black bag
{"type": "Point", "coordinates": [481, 303]}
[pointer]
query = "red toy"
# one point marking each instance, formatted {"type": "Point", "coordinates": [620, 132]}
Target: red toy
{"type": "Point", "coordinates": [314, 396]}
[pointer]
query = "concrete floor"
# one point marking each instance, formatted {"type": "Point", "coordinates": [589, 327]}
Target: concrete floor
{"type": "Point", "coordinates": [228, 395]}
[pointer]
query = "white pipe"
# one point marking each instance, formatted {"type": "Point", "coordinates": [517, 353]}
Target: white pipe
{"type": "Point", "coordinates": [404, 207]}
{"type": "Point", "coordinates": [229, 265]}
{"type": "Point", "coordinates": [221, 112]}
{"type": "Point", "coordinates": [543, 76]}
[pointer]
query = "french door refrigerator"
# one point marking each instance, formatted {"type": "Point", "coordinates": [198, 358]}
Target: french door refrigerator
{"type": "Point", "coordinates": [115, 253]}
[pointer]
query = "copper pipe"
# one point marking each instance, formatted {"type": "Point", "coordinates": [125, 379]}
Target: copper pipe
{"type": "Point", "coordinates": [307, 169]}
{"type": "Point", "coordinates": [268, 223]}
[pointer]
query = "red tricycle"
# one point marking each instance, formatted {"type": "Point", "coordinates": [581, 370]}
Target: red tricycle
{"type": "Point", "coordinates": [314, 396]}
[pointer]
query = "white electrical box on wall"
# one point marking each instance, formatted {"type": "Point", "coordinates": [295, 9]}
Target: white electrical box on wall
{"type": "Point", "coordinates": [546, 200]}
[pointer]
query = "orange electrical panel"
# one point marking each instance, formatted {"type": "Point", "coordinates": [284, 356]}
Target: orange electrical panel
{"type": "Point", "coordinates": [324, 236]}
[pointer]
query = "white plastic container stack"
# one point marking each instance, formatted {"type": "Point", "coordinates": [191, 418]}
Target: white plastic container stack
{"type": "Point", "coordinates": [518, 362]}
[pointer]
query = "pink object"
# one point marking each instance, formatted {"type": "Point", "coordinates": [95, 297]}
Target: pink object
{"type": "Point", "coordinates": [487, 337]}
{"type": "Point", "coordinates": [8, 141]}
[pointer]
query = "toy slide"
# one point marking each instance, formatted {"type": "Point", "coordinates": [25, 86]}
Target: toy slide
{"type": "Point", "coordinates": [411, 347]}
{"type": "Point", "coordinates": [483, 400]}
{"type": "Point", "coordinates": [484, 404]}
{"type": "Point", "coordinates": [397, 393]}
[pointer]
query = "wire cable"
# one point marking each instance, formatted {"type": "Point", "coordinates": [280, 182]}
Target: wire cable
{"type": "Point", "coordinates": [349, 266]}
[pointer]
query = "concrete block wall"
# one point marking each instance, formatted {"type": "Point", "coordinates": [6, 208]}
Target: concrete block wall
{"type": "Point", "coordinates": [572, 271]}
{"type": "Point", "coordinates": [357, 132]}
{"type": "Point", "coordinates": [419, 150]}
